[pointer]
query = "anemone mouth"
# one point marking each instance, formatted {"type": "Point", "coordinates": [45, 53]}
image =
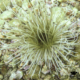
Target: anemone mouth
{"type": "Point", "coordinates": [43, 39]}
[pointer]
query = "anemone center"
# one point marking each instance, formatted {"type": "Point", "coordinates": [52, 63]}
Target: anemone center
{"type": "Point", "coordinates": [42, 38]}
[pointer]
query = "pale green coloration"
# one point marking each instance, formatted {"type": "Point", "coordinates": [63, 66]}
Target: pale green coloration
{"type": "Point", "coordinates": [6, 15]}
{"type": "Point", "coordinates": [3, 4]}
{"type": "Point", "coordinates": [41, 37]}
{"type": "Point", "coordinates": [1, 23]}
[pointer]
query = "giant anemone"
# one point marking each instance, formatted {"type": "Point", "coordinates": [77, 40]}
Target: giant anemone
{"type": "Point", "coordinates": [38, 34]}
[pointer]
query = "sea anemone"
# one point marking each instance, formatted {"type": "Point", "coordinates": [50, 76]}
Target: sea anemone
{"type": "Point", "coordinates": [38, 33]}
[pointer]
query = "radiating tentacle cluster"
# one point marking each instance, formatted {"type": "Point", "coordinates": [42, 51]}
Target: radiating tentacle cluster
{"type": "Point", "coordinates": [38, 35]}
